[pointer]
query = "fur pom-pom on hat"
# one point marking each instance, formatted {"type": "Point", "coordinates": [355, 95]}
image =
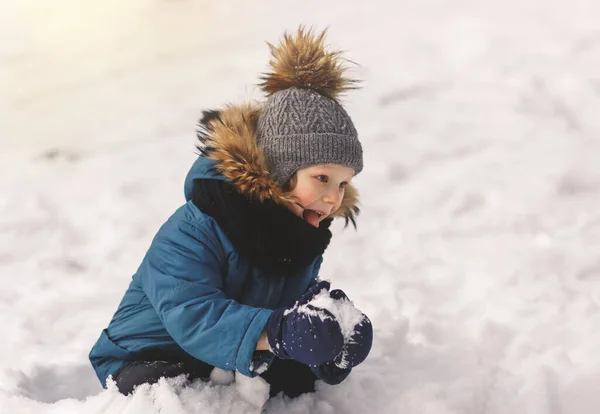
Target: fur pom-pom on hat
{"type": "Point", "coordinates": [302, 61]}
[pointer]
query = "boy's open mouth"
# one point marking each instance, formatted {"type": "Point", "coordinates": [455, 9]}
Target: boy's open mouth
{"type": "Point", "coordinates": [311, 216]}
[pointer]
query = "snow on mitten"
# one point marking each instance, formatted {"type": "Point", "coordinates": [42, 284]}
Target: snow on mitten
{"type": "Point", "coordinates": [356, 328]}
{"type": "Point", "coordinates": [305, 332]}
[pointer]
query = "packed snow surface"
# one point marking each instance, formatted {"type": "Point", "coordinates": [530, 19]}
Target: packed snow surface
{"type": "Point", "coordinates": [477, 255]}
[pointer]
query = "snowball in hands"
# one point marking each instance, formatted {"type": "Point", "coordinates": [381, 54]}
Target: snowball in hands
{"type": "Point", "coordinates": [356, 328]}
{"type": "Point", "coordinates": [306, 332]}
{"type": "Point", "coordinates": [321, 327]}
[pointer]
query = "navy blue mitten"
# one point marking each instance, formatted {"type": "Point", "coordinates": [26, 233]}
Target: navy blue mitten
{"type": "Point", "coordinates": [359, 337]}
{"type": "Point", "coordinates": [305, 333]}
{"type": "Point", "coordinates": [330, 373]}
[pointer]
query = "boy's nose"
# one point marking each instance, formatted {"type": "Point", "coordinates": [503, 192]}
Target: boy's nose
{"type": "Point", "coordinates": [332, 197]}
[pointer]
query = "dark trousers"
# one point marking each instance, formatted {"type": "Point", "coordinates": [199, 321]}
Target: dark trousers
{"type": "Point", "coordinates": [291, 377]}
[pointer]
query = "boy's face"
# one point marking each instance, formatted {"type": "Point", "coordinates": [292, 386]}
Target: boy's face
{"type": "Point", "coordinates": [319, 191]}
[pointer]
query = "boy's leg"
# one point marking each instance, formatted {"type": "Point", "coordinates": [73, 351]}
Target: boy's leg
{"type": "Point", "coordinates": [289, 376]}
{"type": "Point", "coordinates": [149, 372]}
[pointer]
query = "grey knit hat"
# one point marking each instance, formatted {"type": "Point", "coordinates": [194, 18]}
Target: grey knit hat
{"type": "Point", "coordinates": [302, 122]}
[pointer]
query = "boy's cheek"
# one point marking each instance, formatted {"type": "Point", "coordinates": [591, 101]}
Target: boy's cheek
{"type": "Point", "coordinates": [335, 208]}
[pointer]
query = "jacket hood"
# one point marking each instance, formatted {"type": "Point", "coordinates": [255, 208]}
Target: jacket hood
{"type": "Point", "coordinates": [229, 152]}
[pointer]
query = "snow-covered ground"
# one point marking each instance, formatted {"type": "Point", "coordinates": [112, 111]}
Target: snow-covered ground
{"type": "Point", "coordinates": [478, 251]}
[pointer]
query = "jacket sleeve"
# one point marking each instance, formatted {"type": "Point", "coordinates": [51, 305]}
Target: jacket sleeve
{"type": "Point", "coordinates": [182, 279]}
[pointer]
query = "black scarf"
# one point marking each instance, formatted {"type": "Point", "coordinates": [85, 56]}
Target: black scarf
{"type": "Point", "coordinates": [270, 236]}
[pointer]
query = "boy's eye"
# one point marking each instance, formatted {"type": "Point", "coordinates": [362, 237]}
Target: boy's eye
{"type": "Point", "coordinates": [323, 178]}
{"type": "Point", "coordinates": [343, 185]}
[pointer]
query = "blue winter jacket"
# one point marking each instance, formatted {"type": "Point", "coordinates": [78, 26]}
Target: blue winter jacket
{"type": "Point", "coordinates": [193, 291]}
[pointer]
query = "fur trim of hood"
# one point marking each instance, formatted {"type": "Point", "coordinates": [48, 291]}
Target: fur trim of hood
{"type": "Point", "coordinates": [228, 137]}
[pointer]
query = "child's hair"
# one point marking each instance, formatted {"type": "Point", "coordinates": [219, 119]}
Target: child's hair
{"type": "Point", "coordinates": [291, 184]}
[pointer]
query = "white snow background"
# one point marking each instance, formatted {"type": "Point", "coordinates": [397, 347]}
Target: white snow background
{"type": "Point", "coordinates": [477, 256]}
